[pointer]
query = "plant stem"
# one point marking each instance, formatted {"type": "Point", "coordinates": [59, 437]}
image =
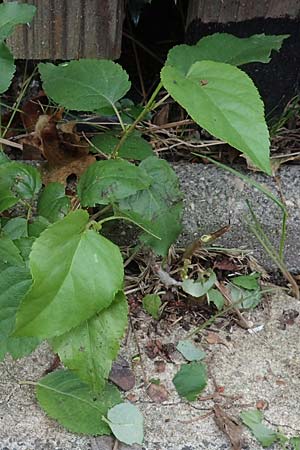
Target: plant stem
{"type": "Point", "coordinates": [140, 117]}
{"type": "Point", "coordinates": [272, 254]}
{"type": "Point", "coordinates": [108, 219]}
{"type": "Point", "coordinates": [18, 101]}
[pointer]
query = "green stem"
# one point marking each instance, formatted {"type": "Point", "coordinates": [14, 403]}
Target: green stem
{"type": "Point", "coordinates": [18, 101]}
{"type": "Point", "coordinates": [140, 117]}
{"type": "Point", "coordinates": [283, 236]}
{"type": "Point", "coordinates": [108, 219]}
{"type": "Point", "coordinates": [280, 264]}
{"type": "Point", "coordinates": [119, 117]}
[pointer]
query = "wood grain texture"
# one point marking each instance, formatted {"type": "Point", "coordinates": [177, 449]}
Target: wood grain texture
{"type": "Point", "coordinates": [223, 11]}
{"type": "Point", "coordinates": [71, 29]}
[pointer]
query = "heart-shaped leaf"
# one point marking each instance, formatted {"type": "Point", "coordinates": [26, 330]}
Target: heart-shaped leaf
{"type": "Point", "coordinates": [109, 181]}
{"type": "Point", "coordinates": [224, 47]}
{"type": "Point", "coordinates": [189, 350]}
{"type": "Point", "coordinates": [17, 182]}
{"type": "Point", "coordinates": [70, 401]}
{"type": "Point", "coordinates": [16, 228]}
{"type": "Point", "coordinates": [76, 273]}
{"type": "Point", "coordinates": [151, 304]}
{"type": "Point", "coordinates": [223, 100]}
{"type": "Point", "coordinates": [190, 380]}
{"type": "Point", "coordinates": [199, 288]}
{"type": "Point", "coordinates": [53, 204]}
{"type": "Point", "coordinates": [9, 253]}
{"type": "Point", "coordinates": [167, 226]}
{"type": "Point", "coordinates": [90, 348]}
{"type": "Point", "coordinates": [135, 147]}
{"type": "Point", "coordinates": [215, 296]}
{"type": "Point", "coordinates": [14, 283]}
{"type": "Point", "coordinates": [253, 420]}
{"type": "Point", "coordinates": [249, 282]}
{"type": "Point", "coordinates": [126, 423]}
{"type": "Point", "coordinates": [86, 84]}
{"type": "Point", "coordinates": [7, 67]}
{"type": "Point", "coordinates": [12, 14]}
{"type": "Point", "coordinates": [161, 193]}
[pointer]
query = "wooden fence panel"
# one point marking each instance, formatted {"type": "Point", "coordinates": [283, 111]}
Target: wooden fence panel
{"type": "Point", "coordinates": [71, 29]}
{"type": "Point", "coordinates": [223, 11]}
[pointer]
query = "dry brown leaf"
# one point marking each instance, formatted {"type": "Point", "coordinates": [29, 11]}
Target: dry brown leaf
{"type": "Point", "coordinates": [158, 393]}
{"type": "Point", "coordinates": [162, 116]}
{"type": "Point", "coordinates": [214, 338]}
{"type": "Point", "coordinates": [262, 404]}
{"type": "Point", "coordinates": [230, 426]}
{"type": "Point", "coordinates": [226, 264]}
{"type": "Point", "coordinates": [121, 375]}
{"type": "Point", "coordinates": [277, 161]}
{"type": "Point", "coordinates": [160, 366]}
{"type": "Point", "coordinates": [65, 151]}
{"type": "Point", "coordinates": [32, 110]}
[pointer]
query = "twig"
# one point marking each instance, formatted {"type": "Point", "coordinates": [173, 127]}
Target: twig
{"type": "Point", "coordinates": [139, 350]}
{"type": "Point", "coordinates": [196, 419]}
{"type": "Point", "coordinates": [242, 321]}
{"type": "Point", "coordinates": [116, 445]}
{"type": "Point", "coordinates": [10, 143]}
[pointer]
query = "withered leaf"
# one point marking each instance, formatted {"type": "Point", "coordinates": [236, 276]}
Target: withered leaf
{"type": "Point", "coordinates": [157, 392]}
{"type": "Point", "coordinates": [121, 375]}
{"type": "Point", "coordinates": [32, 110]}
{"type": "Point", "coordinates": [230, 426]}
{"type": "Point", "coordinates": [214, 338]}
{"type": "Point", "coordinates": [63, 148]}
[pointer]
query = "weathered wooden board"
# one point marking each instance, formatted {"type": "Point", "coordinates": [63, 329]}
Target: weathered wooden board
{"type": "Point", "coordinates": [223, 11]}
{"type": "Point", "coordinates": [71, 29]}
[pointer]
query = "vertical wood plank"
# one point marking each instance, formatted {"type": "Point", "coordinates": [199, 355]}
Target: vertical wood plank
{"type": "Point", "coordinates": [71, 29]}
{"type": "Point", "coordinates": [223, 11]}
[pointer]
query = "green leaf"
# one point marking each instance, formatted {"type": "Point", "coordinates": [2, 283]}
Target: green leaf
{"type": "Point", "coordinates": [9, 253]}
{"type": "Point", "coordinates": [16, 228]}
{"type": "Point", "coordinates": [7, 67]}
{"type": "Point", "coordinates": [190, 380]}
{"type": "Point", "coordinates": [151, 304]}
{"type": "Point", "coordinates": [215, 296]}
{"type": "Point", "coordinates": [162, 193]}
{"type": "Point", "coordinates": [167, 226]}
{"type": "Point", "coordinates": [189, 351]}
{"type": "Point", "coordinates": [246, 281]}
{"type": "Point", "coordinates": [199, 288]}
{"type": "Point", "coordinates": [17, 182]}
{"type": "Point", "coordinates": [295, 442]}
{"type": "Point", "coordinates": [138, 220]}
{"type": "Point", "coordinates": [53, 204]}
{"type": "Point", "coordinates": [126, 423]}
{"type": "Point", "coordinates": [263, 434]}
{"type": "Point", "coordinates": [24, 245]}
{"type": "Point", "coordinates": [160, 204]}
{"type": "Point", "coordinates": [223, 100]}
{"type": "Point", "coordinates": [37, 225]}
{"type": "Point", "coordinates": [12, 14]}
{"type": "Point", "coordinates": [84, 85]}
{"type": "Point", "coordinates": [135, 147]}
{"type": "Point", "coordinates": [14, 283]}
{"type": "Point", "coordinates": [226, 48]}
{"type": "Point", "coordinates": [3, 158]}
{"type": "Point", "coordinates": [247, 299]}
{"type": "Point", "coordinates": [90, 348]}
{"type": "Point", "coordinates": [76, 273]}
{"type": "Point", "coordinates": [108, 181]}
{"type": "Point", "coordinates": [70, 401]}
